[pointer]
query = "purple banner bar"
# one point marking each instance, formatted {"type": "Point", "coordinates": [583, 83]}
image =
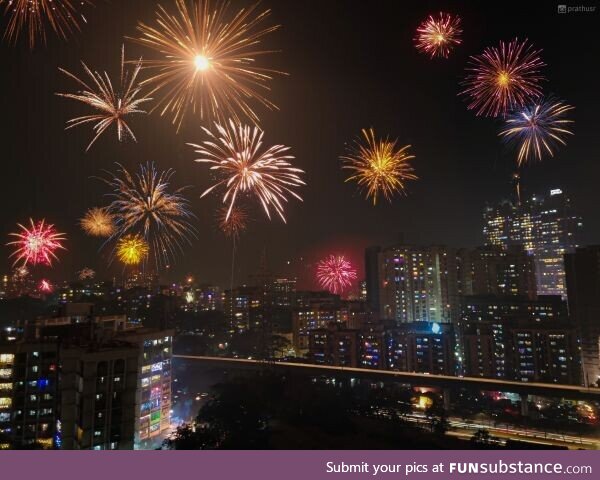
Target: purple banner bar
{"type": "Point", "coordinates": [299, 465]}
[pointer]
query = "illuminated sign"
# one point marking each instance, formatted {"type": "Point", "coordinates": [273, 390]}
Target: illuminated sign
{"type": "Point", "coordinates": [555, 191]}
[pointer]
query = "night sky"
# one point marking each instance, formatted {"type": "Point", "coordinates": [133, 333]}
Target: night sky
{"type": "Point", "coordinates": [352, 65]}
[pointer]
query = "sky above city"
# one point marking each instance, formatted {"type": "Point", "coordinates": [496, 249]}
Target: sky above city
{"type": "Point", "coordinates": [352, 65]}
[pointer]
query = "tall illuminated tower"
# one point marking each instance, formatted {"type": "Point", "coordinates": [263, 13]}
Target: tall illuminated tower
{"type": "Point", "coordinates": [546, 226]}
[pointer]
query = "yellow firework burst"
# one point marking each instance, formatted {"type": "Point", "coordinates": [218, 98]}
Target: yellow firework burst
{"type": "Point", "coordinates": [209, 60]}
{"type": "Point", "coordinates": [98, 222]}
{"type": "Point", "coordinates": [132, 249]}
{"type": "Point", "coordinates": [378, 166]}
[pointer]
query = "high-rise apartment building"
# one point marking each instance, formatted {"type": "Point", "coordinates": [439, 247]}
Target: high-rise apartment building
{"type": "Point", "coordinates": [494, 270]}
{"type": "Point", "coordinates": [546, 226]}
{"type": "Point", "coordinates": [82, 381]}
{"type": "Point", "coordinates": [583, 287]}
{"type": "Point", "coordinates": [418, 284]}
{"type": "Point", "coordinates": [517, 339]}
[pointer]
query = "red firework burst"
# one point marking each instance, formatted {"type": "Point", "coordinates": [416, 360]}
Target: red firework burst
{"type": "Point", "coordinates": [504, 78]}
{"type": "Point", "coordinates": [335, 273]}
{"type": "Point", "coordinates": [37, 244]}
{"type": "Point", "coordinates": [436, 37]}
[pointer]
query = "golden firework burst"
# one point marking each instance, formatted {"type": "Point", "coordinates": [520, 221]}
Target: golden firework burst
{"type": "Point", "coordinates": [132, 249]}
{"type": "Point", "coordinates": [209, 60]}
{"type": "Point", "coordinates": [98, 222]}
{"type": "Point", "coordinates": [378, 166]}
{"type": "Point", "coordinates": [63, 16]}
{"type": "Point", "coordinates": [112, 106]}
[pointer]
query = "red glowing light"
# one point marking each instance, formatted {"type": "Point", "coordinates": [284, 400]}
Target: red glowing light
{"type": "Point", "coordinates": [335, 273]}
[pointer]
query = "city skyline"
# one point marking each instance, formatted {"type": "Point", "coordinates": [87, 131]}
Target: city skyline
{"type": "Point", "coordinates": [345, 90]}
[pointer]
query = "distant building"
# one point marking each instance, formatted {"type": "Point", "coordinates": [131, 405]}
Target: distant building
{"type": "Point", "coordinates": [494, 270]}
{"type": "Point", "coordinates": [362, 291]}
{"type": "Point", "coordinates": [372, 343]}
{"type": "Point", "coordinates": [372, 278]}
{"type": "Point", "coordinates": [334, 345]}
{"type": "Point", "coordinates": [411, 347]}
{"type": "Point", "coordinates": [517, 339]}
{"type": "Point", "coordinates": [583, 287]}
{"type": "Point", "coordinates": [418, 284]}
{"type": "Point", "coordinates": [314, 316]}
{"type": "Point", "coordinates": [421, 347]}
{"type": "Point", "coordinates": [282, 292]}
{"type": "Point", "coordinates": [137, 278]}
{"type": "Point", "coordinates": [546, 226]}
{"type": "Point", "coordinates": [317, 310]}
{"type": "Point", "coordinates": [244, 307]}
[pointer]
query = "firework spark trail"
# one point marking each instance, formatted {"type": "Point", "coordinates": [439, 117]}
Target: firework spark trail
{"type": "Point", "coordinates": [38, 244]}
{"type": "Point", "coordinates": [437, 36]}
{"type": "Point", "coordinates": [237, 155]}
{"type": "Point", "coordinates": [132, 249]}
{"type": "Point", "coordinates": [503, 78]}
{"type": "Point", "coordinates": [335, 273]}
{"type": "Point", "coordinates": [63, 17]}
{"type": "Point", "coordinates": [538, 129]}
{"type": "Point", "coordinates": [378, 166]}
{"type": "Point", "coordinates": [98, 222]}
{"type": "Point", "coordinates": [209, 61]}
{"type": "Point", "coordinates": [112, 106]}
{"type": "Point", "coordinates": [143, 204]}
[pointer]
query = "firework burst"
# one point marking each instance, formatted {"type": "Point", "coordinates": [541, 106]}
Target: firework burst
{"type": "Point", "coordinates": [112, 106]}
{"type": "Point", "coordinates": [86, 274]}
{"type": "Point", "coordinates": [98, 222]}
{"type": "Point", "coordinates": [437, 36]}
{"type": "Point", "coordinates": [20, 273]}
{"type": "Point", "coordinates": [503, 79]}
{"type": "Point", "coordinates": [143, 204]}
{"type": "Point", "coordinates": [335, 273]}
{"type": "Point", "coordinates": [378, 166]}
{"type": "Point", "coordinates": [45, 286]}
{"type": "Point", "coordinates": [538, 129]}
{"type": "Point", "coordinates": [209, 60]}
{"type": "Point", "coordinates": [63, 16]}
{"type": "Point", "coordinates": [132, 249]}
{"type": "Point", "coordinates": [38, 244]}
{"type": "Point", "coordinates": [233, 223]}
{"type": "Point", "coordinates": [236, 154]}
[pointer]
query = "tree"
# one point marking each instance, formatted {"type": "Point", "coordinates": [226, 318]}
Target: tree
{"type": "Point", "coordinates": [482, 437]}
{"type": "Point", "coordinates": [438, 420]}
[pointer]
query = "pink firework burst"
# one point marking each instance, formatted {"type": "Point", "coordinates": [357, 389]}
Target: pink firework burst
{"type": "Point", "coordinates": [335, 273]}
{"type": "Point", "coordinates": [437, 36]}
{"type": "Point", "coordinates": [503, 78]}
{"type": "Point", "coordinates": [38, 244]}
{"type": "Point", "coordinates": [45, 287]}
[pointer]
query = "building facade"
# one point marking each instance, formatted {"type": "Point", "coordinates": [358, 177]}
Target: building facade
{"type": "Point", "coordinates": [583, 287]}
{"type": "Point", "coordinates": [418, 284]}
{"type": "Point", "coordinates": [516, 338]}
{"type": "Point", "coordinates": [546, 225]}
